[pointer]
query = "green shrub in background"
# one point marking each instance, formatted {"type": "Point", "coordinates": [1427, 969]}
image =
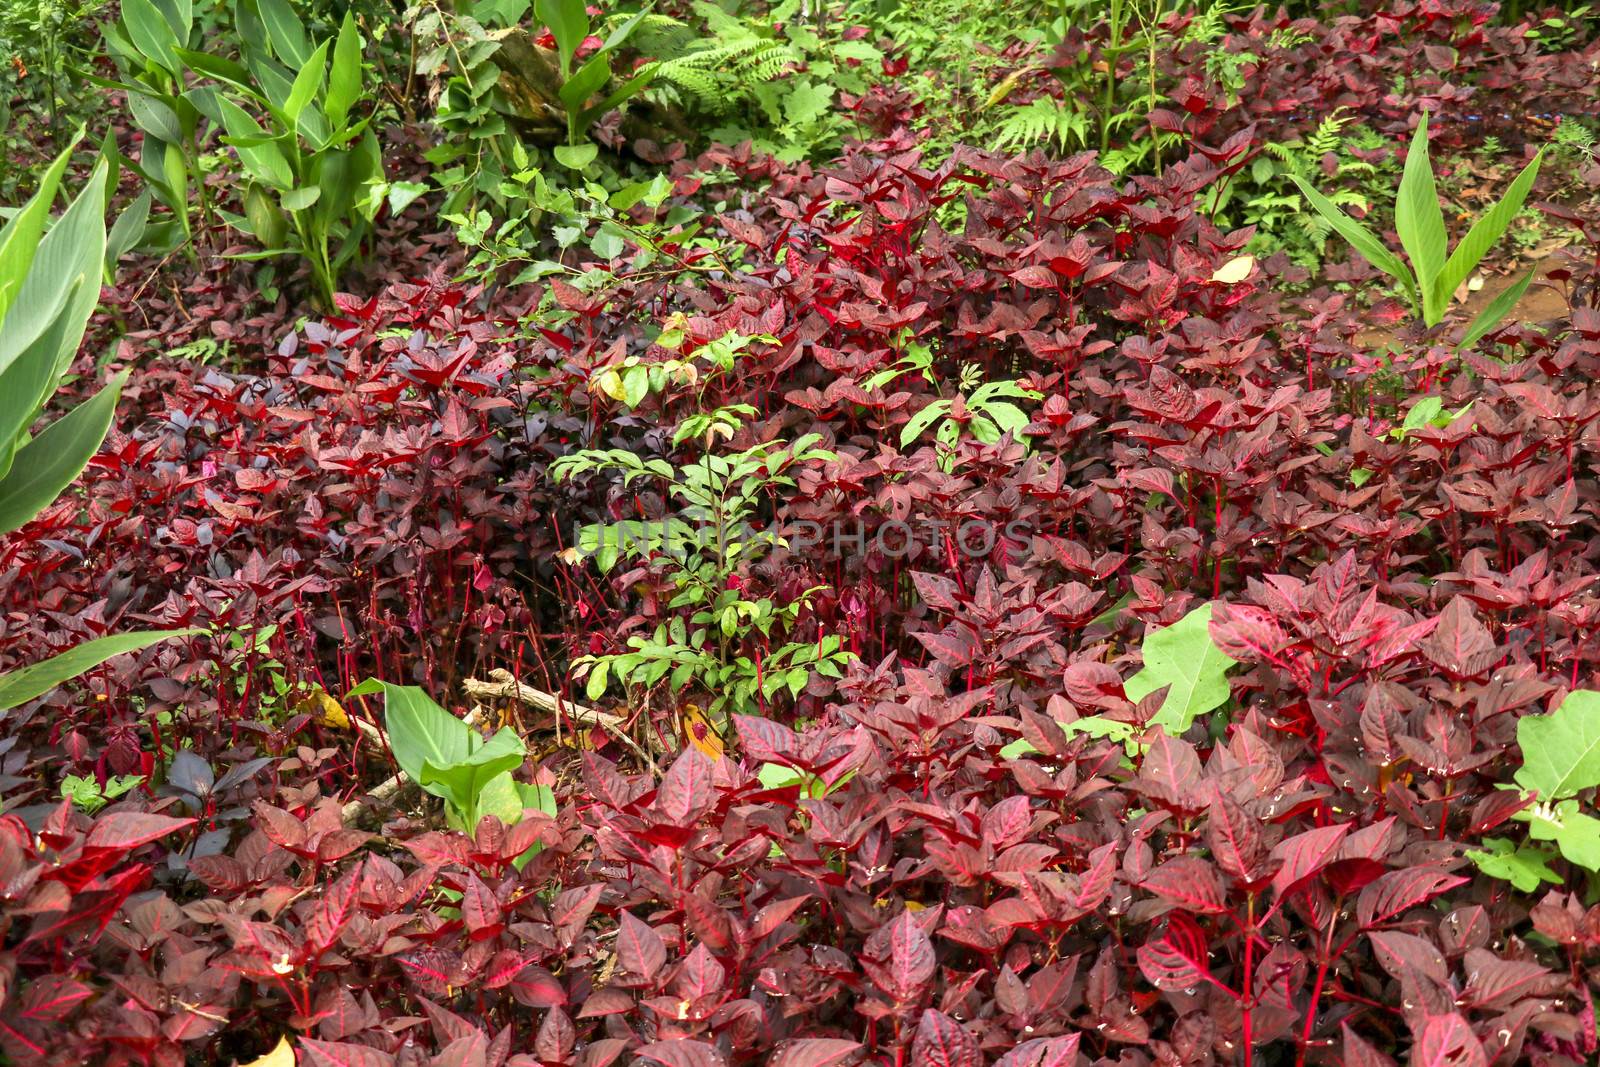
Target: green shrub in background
{"type": "Point", "coordinates": [308, 155]}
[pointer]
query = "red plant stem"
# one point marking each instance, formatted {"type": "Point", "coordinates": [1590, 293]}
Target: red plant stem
{"type": "Point", "coordinates": [1247, 991]}
{"type": "Point", "coordinates": [1316, 989]}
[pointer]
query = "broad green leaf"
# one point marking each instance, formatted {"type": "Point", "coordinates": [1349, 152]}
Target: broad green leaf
{"type": "Point", "coordinates": [1489, 228]}
{"type": "Point", "coordinates": [626, 91]}
{"type": "Point", "coordinates": [462, 780]}
{"type": "Point", "coordinates": [224, 70]}
{"type": "Point", "coordinates": [588, 80]}
{"type": "Point", "coordinates": [300, 199]}
{"type": "Point", "coordinates": [306, 84]}
{"type": "Point", "coordinates": [35, 680]}
{"type": "Point", "coordinates": [344, 78]}
{"type": "Point", "coordinates": [1495, 310]}
{"type": "Point", "coordinates": [1185, 659]}
{"type": "Point", "coordinates": [155, 118]}
{"type": "Point", "coordinates": [286, 32]}
{"type": "Point", "coordinates": [576, 156]}
{"type": "Point", "coordinates": [1525, 867]}
{"type": "Point", "coordinates": [569, 24]}
{"type": "Point", "coordinates": [128, 230]}
{"type": "Point", "coordinates": [264, 160]}
{"type": "Point", "coordinates": [918, 423]}
{"type": "Point", "coordinates": [1575, 833]}
{"type": "Point", "coordinates": [150, 32]}
{"type": "Point", "coordinates": [1419, 221]}
{"type": "Point", "coordinates": [1361, 239]}
{"type": "Point", "coordinates": [46, 465]}
{"type": "Point", "coordinates": [420, 731]}
{"type": "Point", "coordinates": [19, 240]}
{"type": "Point", "coordinates": [1561, 750]}
{"type": "Point", "coordinates": [179, 15]}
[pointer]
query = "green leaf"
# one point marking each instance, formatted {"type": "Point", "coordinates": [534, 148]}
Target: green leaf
{"type": "Point", "coordinates": [569, 24]}
{"type": "Point", "coordinates": [1489, 228]}
{"type": "Point", "coordinates": [918, 423]}
{"type": "Point", "coordinates": [1092, 725]}
{"type": "Point", "coordinates": [1495, 310]}
{"type": "Point", "coordinates": [19, 240]}
{"type": "Point", "coordinates": [420, 731]}
{"type": "Point", "coordinates": [37, 679]}
{"type": "Point", "coordinates": [263, 159]}
{"type": "Point", "coordinates": [1185, 659]}
{"type": "Point", "coordinates": [576, 156]}
{"type": "Point", "coordinates": [1419, 221]}
{"type": "Point", "coordinates": [306, 84]}
{"type": "Point", "coordinates": [1361, 239]}
{"type": "Point", "coordinates": [150, 32]}
{"type": "Point", "coordinates": [1561, 751]}
{"type": "Point", "coordinates": [286, 33]}
{"type": "Point", "coordinates": [344, 79]}
{"type": "Point", "coordinates": [46, 465]}
{"type": "Point", "coordinates": [588, 80]}
{"type": "Point", "coordinates": [1525, 867]}
{"type": "Point", "coordinates": [301, 198]}
{"type": "Point", "coordinates": [1576, 834]}
{"type": "Point", "coordinates": [462, 780]}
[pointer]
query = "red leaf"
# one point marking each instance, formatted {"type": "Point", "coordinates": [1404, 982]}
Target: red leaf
{"type": "Point", "coordinates": [685, 792]}
{"type": "Point", "coordinates": [479, 908]}
{"type": "Point", "coordinates": [815, 1052]}
{"type": "Point", "coordinates": [1303, 855]}
{"type": "Point", "coordinates": [1447, 1041]}
{"type": "Point", "coordinates": [332, 912]}
{"type": "Point", "coordinates": [640, 948]}
{"type": "Point", "coordinates": [682, 1054]}
{"type": "Point", "coordinates": [943, 1042]}
{"type": "Point", "coordinates": [1400, 890]}
{"type": "Point", "coordinates": [128, 830]}
{"type": "Point", "coordinates": [342, 1054]}
{"type": "Point", "coordinates": [1188, 881]}
{"type": "Point", "coordinates": [1178, 960]}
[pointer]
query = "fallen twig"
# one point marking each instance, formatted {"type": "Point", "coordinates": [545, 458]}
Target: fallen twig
{"type": "Point", "coordinates": [505, 686]}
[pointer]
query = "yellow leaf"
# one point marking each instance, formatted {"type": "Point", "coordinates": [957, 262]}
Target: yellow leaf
{"type": "Point", "coordinates": [331, 713]}
{"type": "Point", "coordinates": [1003, 90]}
{"type": "Point", "coordinates": [282, 1055]}
{"type": "Point", "coordinates": [699, 732]}
{"type": "Point", "coordinates": [1235, 270]}
{"type": "Point", "coordinates": [610, 383]}
{"type": "Point", "coordinates": [324, 709]}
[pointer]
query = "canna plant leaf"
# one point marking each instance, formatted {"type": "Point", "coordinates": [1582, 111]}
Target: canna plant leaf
{"type": "Point", "coordinates": [1419, 221]}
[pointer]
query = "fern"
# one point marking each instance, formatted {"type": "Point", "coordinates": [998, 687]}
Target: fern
{"type": "Point", "coordinates": [719, 67]}
{"type": "Point", "coordinates": [1043, 121]}
{"type": "Point", "coordinates": [716, 76]}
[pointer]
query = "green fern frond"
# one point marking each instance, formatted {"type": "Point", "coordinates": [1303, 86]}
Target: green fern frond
{"type": "Point", "coordinates": [1040, 122]}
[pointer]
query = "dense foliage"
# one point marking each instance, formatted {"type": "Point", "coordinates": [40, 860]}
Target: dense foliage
{"type": "Point", "coordinates": [962, 564]}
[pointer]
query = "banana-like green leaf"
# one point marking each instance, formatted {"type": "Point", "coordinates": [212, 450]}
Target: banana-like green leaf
{"type": "Point", "coordinates": [35, 680]}
{"type": "Point", "coordinates": [150, 32]}
{"type": "Point", "coordinates": [344, 78]}
{"type": "Point", "coordinates": [1419, 221]}
{"type": "Point", "coordinates": [1489, 228]}
{"type": "Point", "coordinates": [1497, 309]}
{"type": "Point", "coordinates": [569, 24]}
{"type": "Point", "coordinates": [42, 330]}
{"type": "Point", "coordinates": [306, 84]}
{"type": "Point", "coordinates": [1361, 239]}
{"type": "Point", "coordinates": [286, 32]}
{"type": "Point", "coordinates": [46, 465]}
{"type": "Point", "coordinates": [264, 160]}
{"type": "Point", "coordinates": [19, 239]}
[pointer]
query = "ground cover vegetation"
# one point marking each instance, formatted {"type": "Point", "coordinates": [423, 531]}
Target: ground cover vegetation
{"type": "Point", "coordinates": [809, 533]}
